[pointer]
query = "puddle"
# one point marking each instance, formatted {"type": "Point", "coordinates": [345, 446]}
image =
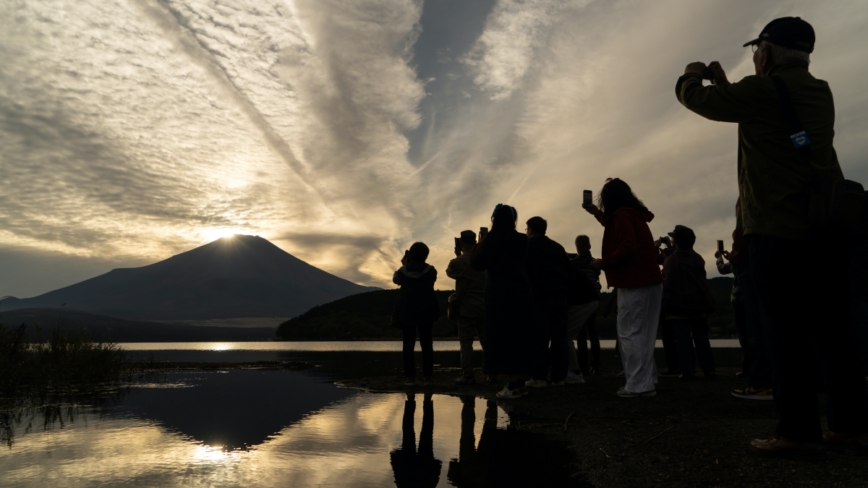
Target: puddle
{"type": "Point", "coordinates": [275, 428]}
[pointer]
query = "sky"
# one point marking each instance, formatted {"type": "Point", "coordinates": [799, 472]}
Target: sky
{"type": "Point", "coordinates": [344, 131]}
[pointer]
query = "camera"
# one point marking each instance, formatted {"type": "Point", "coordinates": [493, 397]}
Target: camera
{"type": "Point", "coordinates": [707, 74]}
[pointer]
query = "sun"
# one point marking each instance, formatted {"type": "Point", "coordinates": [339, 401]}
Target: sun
{"type": "Point", "coordinates": [220, 233]}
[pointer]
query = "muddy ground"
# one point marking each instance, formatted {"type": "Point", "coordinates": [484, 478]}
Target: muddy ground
{"type": "Point", "coordinates": [692, 434]}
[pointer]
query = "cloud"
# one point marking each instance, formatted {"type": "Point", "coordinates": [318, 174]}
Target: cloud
{"type": "Point", "coordinates": [346, 131]}
{"type": "Point", "coordinates": [516, 30]}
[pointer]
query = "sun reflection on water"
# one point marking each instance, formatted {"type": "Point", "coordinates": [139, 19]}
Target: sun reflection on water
{"type": "Point", "coordinates": [346, 444]}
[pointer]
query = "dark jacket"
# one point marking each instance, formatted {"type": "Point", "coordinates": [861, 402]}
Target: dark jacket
{"type": "Point", "coordinates": [548, 268]}
{"type": "Point", "coordinates": [510, 320]}
{"type": "Point", "coordinates": [417, 303]}
{"type": "Point", "coordinates": [582, 290]}
{"type": "Point", "coordinates": [585, 259]}
{"type": "Point", "coordinates": [773, 183]}
{"type": "Point", "coordinates": [629, 256]}
{"type": "Point", "coordinates": [685, 289]}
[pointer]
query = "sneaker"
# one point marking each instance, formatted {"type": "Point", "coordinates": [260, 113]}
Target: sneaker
{"type": "Point", "coordinates": [536, 383]}
{"type": "Point", "coordinates": [670, 373]}
{"type": "Point", "coordinates": [751, 393]}
{"type": "Point", "coordinates": [781, 447]}
{"type": "Point", "coordinates": [629, 394]}
{"type": "Point", "coordinates": [595, 370]}
{"type": "Point", "coordinates": [574, 379]}
{"type": "Point", "coordinates": [507, 394]}
{"type": "Point", "coordinates": [491, 379]}
{"type": "Point", "coordinates": [465, 380]}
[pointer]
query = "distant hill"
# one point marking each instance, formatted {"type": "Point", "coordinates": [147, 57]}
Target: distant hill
{"type": "Point", "coordinates": [367, 315]}
{"type": "Point", "coordinates": [241, 276]}
{"type": "Point", "coordinates": [363, 316]}
{"type": "Point", "coordinates": [122, 330]}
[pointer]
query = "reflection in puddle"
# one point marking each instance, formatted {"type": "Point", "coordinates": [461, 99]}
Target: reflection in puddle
{"type": "Point", "coordinates": [274, 428]}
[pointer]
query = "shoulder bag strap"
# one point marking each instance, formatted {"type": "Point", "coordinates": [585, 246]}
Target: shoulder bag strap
{"type": "Point", "coordinates": [798, 135]}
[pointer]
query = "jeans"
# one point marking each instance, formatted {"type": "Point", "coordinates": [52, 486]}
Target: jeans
{"type": "Point", "coordinates": [760, 338]}
{"type": "Point", "coordinates": [743, 336]}
{"type": "Point", "coordinates": [858, 303]}
{"type": "Point", "coordinates": [552, 350]}
{"type": "Point", "coordinates": [426, 341]}
{"type": "Point", "coordinates": [859, 329]}
{"type": "Point", "coordinates": [468, 328]}
{"type": "Point", "coordinates": [806, 308]}
{"type": "Point", "coordinates": [588, 334]}
{"type": "Point", "coordinates": [692, 332]}
{"type": "Point", "coordinates": [670, 345]}
{"type": "Point", "coordinates": [577, 317]}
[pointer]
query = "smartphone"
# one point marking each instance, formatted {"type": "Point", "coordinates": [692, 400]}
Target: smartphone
{"type": "Point", "coordinates": [483, 231]}
{"type": "Point", "coordinates": [457, 243]}
{"type": "Point", "coordinates": [720, 247]}
{"type": "Point", "coordinates": [587, 197]}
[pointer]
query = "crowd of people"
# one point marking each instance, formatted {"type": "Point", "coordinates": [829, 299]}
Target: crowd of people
{"type": "Point", "coordinates": [528, 301]}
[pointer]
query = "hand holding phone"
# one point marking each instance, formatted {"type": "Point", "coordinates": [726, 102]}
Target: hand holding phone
{"type": "Point", "coordinates": [720, 247]}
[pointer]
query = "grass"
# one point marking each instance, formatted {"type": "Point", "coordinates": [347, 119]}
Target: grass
{"type": "Point", "coordinates": [63, 359]}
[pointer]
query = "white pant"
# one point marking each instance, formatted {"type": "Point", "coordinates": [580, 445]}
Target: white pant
{"type": "Point", "coordinates": [638, 317]}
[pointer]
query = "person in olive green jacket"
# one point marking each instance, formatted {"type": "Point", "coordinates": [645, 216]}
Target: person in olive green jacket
{"type": "Point", "coordinates": [774, 182]}
{"type": "Point", "coordinates": [470, 293]}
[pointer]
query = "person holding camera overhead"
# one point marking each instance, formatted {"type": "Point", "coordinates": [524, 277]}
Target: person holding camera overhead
{"type": "Point", "coordinates": [417, 309]}
{"type": "Point", "coordinates": [630, 263]}
{"type": "Point", "coordinates": [786, 160]}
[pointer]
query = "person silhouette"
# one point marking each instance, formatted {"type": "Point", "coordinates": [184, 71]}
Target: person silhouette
{"type": "Point", "coordinates": [412, 468]}
{"type": "Point", "coordinates": [469, 468]}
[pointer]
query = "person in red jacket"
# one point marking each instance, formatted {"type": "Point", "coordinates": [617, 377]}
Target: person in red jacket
{"type": "Point", "coordinates": [630, 263]}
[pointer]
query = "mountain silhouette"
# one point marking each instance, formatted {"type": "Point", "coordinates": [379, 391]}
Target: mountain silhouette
{"type": "Point", "coordinates": [241, 276]}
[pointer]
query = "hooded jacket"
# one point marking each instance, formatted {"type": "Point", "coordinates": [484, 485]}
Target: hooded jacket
{"type": "Point", "coordinates": [629, 255]}
{"type": "Point", "coordinates": [685, 289]}
{"type": "Point", "coordinates": [417, 303]}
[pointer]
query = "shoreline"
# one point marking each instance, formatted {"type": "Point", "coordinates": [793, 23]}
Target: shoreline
{"type": "Point", "coordinates": [693, 433]}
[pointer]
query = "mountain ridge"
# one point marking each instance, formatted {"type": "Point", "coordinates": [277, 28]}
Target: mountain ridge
{"type": "Point", "coordinates": [241, 276]}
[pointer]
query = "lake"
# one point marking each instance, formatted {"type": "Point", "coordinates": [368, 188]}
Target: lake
{"type": "Point", "coordinates": [268, 428]}
{"type": "Point", "coordinates": [255, 428]}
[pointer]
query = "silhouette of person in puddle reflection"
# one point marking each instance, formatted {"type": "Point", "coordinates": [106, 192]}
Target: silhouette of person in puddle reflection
{"type": "Point", "coordinates": [412, 468]}
{"type": "Point", "coordinates": [470, 467]}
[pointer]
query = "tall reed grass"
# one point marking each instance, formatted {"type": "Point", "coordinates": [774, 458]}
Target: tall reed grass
{"type": "Point", "coordinates": [62, 359]}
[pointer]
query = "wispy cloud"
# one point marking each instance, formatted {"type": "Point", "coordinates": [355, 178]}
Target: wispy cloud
{"type": "Point", "coordinates": [344, 131]}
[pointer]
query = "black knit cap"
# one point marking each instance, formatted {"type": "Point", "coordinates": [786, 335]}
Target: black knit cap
{"type": "Point", "coordinates": [788, 32]}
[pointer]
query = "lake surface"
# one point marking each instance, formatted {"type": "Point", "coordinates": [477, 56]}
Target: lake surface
{"type": "Point", "coordinates": [249, 428]}
{"type": "Point", "coordinates": [335, 346]}
{"type": "Point", "coordinates": [355, 359]}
